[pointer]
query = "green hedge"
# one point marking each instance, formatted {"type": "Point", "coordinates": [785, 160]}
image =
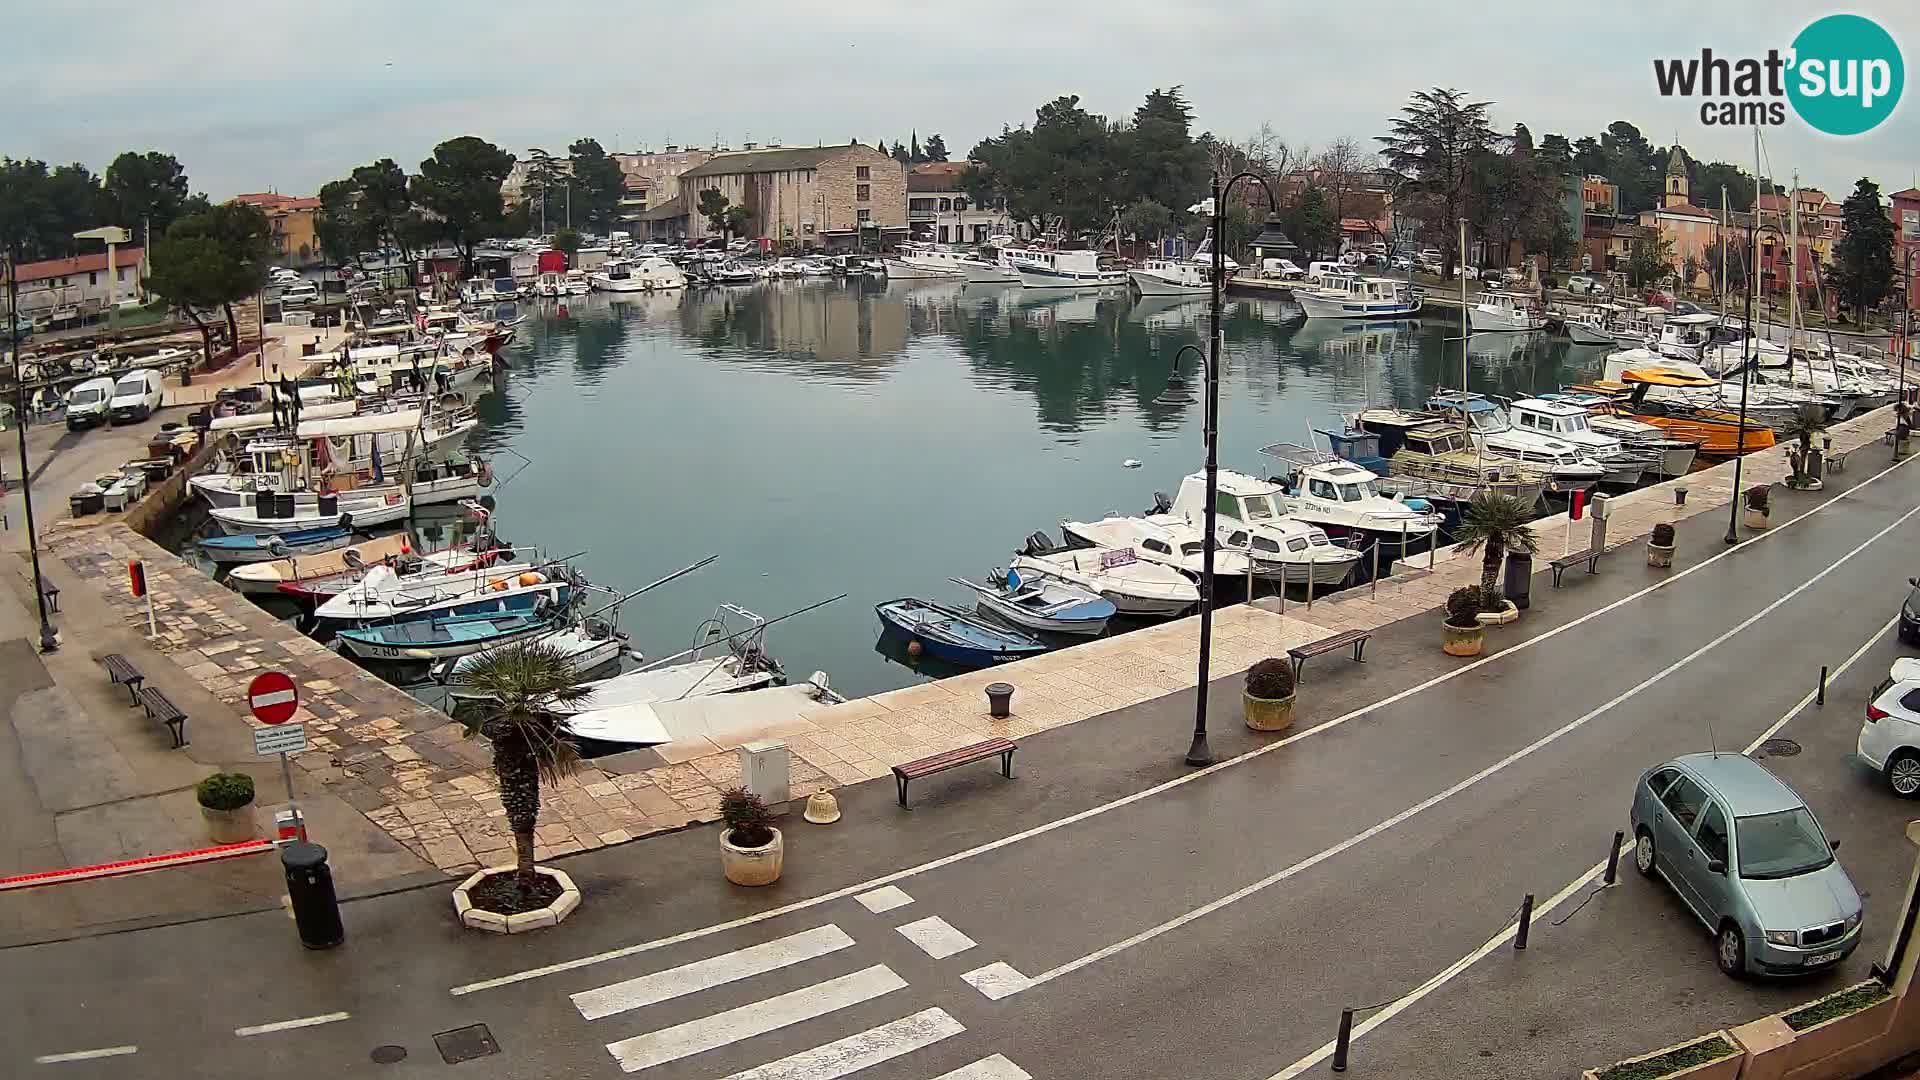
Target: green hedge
{"type": "Point", "coordinates": [1695, 1053]}
{"type": "Point", "coordinates": [1841, 1004]}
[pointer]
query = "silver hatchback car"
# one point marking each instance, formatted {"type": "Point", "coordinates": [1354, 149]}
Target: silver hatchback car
{"type": "Point", "coordinates": [1745, 853]}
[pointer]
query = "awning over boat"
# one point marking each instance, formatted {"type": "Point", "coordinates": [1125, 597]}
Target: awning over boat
{"type": "Point", "coordinates": [1658, 377]}
{"type": "Point", "coordinates": [367, 424]}
{"type": "Point", "coordinates": [243, 422]}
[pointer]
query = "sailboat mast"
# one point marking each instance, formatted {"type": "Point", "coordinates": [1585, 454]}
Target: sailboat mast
{"type": "Point", "coordinates": [1466, 317]}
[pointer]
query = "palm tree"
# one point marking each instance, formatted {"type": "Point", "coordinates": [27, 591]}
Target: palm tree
{"type": "Point", "coordinates": [1806, 422]}
{"type": "Point", "coordinates": [1495, 524]}
{"type": "Point", "coordinates": [521, 687]}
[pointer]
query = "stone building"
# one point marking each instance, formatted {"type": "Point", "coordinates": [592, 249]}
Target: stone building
{"type": "Point", "coordinates": [940, 210]}
{"type": "Point", "coordinates": [836, 198]}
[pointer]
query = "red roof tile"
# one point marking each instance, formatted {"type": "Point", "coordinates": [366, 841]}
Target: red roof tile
{"type": "Point", "coordinates": [79, 264]}
{"type": "Point", "coordinates": [1910, 193]}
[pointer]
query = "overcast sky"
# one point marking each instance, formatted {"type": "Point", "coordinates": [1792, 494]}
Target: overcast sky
{"type": "Point", "coordinates": [254, 96]}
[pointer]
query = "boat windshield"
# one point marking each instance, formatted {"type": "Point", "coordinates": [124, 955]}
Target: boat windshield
{"type": "Point", "coordinates": [1494, 419]}
{"type": "Point", "coordinates": [1781, 845]}
{"type": "Point", "coordinates": [1574, 423]}
{"type": "Point", "coordinates": [1353, 492]}
{"type": "Point", "coordinates": [1191, 547]}
{"type": "Point", "coordinates": [1258, 507]}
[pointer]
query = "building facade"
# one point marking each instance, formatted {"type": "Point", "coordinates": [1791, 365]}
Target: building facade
{"type": "Point", "coordinates": [836, 198]}
{"type": "Point", "coordinates": [659, 172]}
{"type": "Point", "coordinates": [1689, 229]}
{"type": "Point", "coordinates": [291, 221]}
{"type": "Point", "coordinates": [1806, 222]}
{"type": "Point", "coordinates": [64, 290]}
{"type": "Point", "coordinates": [940, 210]}
{"type": "Point", "coordinates": [1905, 210]}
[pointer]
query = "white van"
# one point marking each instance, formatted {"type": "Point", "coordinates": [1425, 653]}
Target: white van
{"type": "Point", "coordinates": [87, 403]}
{"type": "Point", "coordinates": [136, 395]}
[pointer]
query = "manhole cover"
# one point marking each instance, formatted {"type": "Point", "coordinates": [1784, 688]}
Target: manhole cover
{"type": "Point", "coordinates": [388, 1055]}
{"type": "Point", "coordinates": [465, 1044]}
{"type": "Point", "coordinates": [1779, 748]}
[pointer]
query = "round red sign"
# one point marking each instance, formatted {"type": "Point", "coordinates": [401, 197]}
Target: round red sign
{"type": "Point", "coordinates": [272, 697]}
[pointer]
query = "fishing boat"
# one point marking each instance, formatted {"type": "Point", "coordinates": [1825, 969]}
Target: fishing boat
{"type": "Point", "coordinates": [1716, 431]}
{"type": "Point", "coordinates": [1505, 312]}
{"type": "Point", "coordinates": [443, 638]}
{"type": "Point", "coordinates": [1350, 296]}
{"type": "Point", "coordinates": [1040, 268]}
{"type": "Point", "coordinates": [917, 261]}
{"type": "Point", "coordinates": [1251, 519]}
{"type": "Point", "coordinates": [1170, 541]}
{"type": "Point", "coordinates": [383, 595]}
{"type": "Point", "coordinates": [1594, 326]}
{"type": "Point", "coordinates": [1495, 435]}
{"type": "Point", "coordinates": [992, 269]}
{"type": "Point", "coordinates": [586, 645]}
{"type": "Point", "coordinates": [263, 547]}
{"type": "Point", "coordinates": [269, 577]}
{"type": "Point", "coordinates": [1683, 337]}
{"type": "Point", "coordinates": [954, 636]}
{"type": "Point", "coordinates": [1042, 603]}
{"type": "Point", "coordinates": [318, 589]}
{"type": "Point", "coordinates": [1134, 587]}
{"type": "Point", "coordinates": [1171, 277]}
{"type": "Point", "coordinates": [282, 513]}
{"type": "Point", "coordinates": [1344, 500]}
{"type": "Point", "coordinates": [1428, 457]}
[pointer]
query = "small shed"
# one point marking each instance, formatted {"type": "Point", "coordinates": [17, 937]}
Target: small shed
{"type": "Point", "coordinates": [1272, 244]}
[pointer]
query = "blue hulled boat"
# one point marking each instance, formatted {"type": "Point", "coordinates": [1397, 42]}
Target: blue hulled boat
{"type": "Point", "coordinates": [260, 547]}
{"type": "Point", "coordinates": [955, 636]}
{"type": "Point", "coordinates": [442, 639]}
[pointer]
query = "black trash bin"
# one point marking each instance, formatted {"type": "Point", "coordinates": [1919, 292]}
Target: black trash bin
{"type": "Point", "coordinates": [316, 912]}
{"type": "Point", "coordinates": [1518, 587]}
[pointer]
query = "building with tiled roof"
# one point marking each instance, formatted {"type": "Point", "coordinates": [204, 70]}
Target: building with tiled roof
{"type": "Point", "coordinates": [79, 283]}
{"type": "Point", "coordinates": [940, 210]}
{"type": "Point", "coordinates": [291, 221]}
{"type": "Point", "coordinates": [832, 197]}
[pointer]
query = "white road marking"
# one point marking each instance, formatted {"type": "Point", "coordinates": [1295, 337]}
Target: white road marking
{"type": "Point", "coordinates": [997, 980]}
{"type": "Point", "coordinates": [855, 1052]}
{"type": "Point", "coordinates": [936, 937]}
{"type": "Point", "coordinates": [771, 1014]}
{"type": "Point", "coordinates": [1158, 789]}
{"type": "Point", "coordinates": [988, 1068]}
{"type": "Point", "coordinates": [713, 971]}
{"type": "Point", "coordinates": [86, 1055]}
{"type": "Point", "coordinates": [1540, 911]}
{"type": "Point", "coordinates": [1434, 800]}
{"type": "Point", "coordinates": [884, 899]}
{"type": "Point", "coordinates": [288, 1025]}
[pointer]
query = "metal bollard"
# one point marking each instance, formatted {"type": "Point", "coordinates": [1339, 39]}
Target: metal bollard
{"type": "Point", "coordinates": [1343, 1040]}
{"type": "Point", "coordinates": [1376, 568]}
{"type": "Point", "coordinates": [1821, 697]}
{"type": "Point", "coordinates": [1613, 860]}
{"type": "Point", "coordinates": [1526, 923]}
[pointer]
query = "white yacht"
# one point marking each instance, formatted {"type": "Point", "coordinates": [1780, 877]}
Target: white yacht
{"type": "Point", "coordinates": [1344, 499]}
{"type": "Point", "coordinates": [994, 266]}
{"type": "Point", "coordinates": [1134, 587]}
{"type": "Point", "coordinates": [1250, 516]}
{"type": "Point", "coordinates": [1505, 312]}
{"type": "Point", "coordinates": [917, 261]}
{"type": "Point", "coordinates": [1170, 277]}
{"type": "Point", "coordinates": [1676, 455]}
{"type": "Point", "coordinates": [1594, 326]}
{"type": "Point", "coordinates": [1570, 423]}
{"type": "Point", "coordinates": [1047, 269]}
{"type": "Point", "coordinates": [1168, 540]}
{"type": "Point", "coordinates": [1495, 435]}
{"type": "Point", "coordinates": [1350, 296]}
{"type": "Point", "coordinates": [1684, 337]}
{"type": "Point", "coordinates": [648, 273]}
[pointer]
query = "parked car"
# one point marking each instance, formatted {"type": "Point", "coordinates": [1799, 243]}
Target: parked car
{"type": "Point", "coordinates": [135, 396]}
{"type": "Point", "coordinates": [1890, 736]}
{"type": "Point", "coordinates": [1583, 283]}
{"type": "Point", "coordinates": [1469, 272]}
{"type": "Point", "coordinates": [1284, 269]}
{"type": "Point", "coordinates": [87, 403]}
{"type": "Point", "coordinates": [1910, 614]}
{"type": "Point", "coordinates": [304, 292]}
{"type": "Point", "coordinates": [1745, 853]}
{"type": "Point", "coordinates": [1402, 263]}
{"type": "Point", "coordinates": [1431, 255]}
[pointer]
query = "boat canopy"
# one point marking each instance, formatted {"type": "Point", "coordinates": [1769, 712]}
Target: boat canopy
{"type": "Point", "coordinates": [1698, 318]}
{"type": "Point", "coordinates": [243, 422]}
{"type": "Point", "coordinates": [1662, 377]}
{"type": "Point", "coordinates": [366, 424]}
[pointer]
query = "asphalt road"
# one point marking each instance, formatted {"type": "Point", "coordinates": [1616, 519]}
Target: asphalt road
{"type": "Point", "coordinates": [1109, 914]}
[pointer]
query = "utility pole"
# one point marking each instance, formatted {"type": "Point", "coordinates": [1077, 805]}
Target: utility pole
{"type": "Point", "coordinates": [49, 637]}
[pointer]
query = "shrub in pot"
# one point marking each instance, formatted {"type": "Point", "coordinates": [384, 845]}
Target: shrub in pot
{"type": "Point", "coordinates": [1759, 505]}
{"type": "Point", "coordinates": [751, 849]}
{"type": "Point", "coordinates": [1493, 525]}
{"type": "Point", "coordinates": [1463, 634]}
{"type": "Point", "coordinates": [226, 801]}
{"type": "Point", "coordinates": [1660, 546]}
{"type": "Point", "coordinates": [1267, 701]}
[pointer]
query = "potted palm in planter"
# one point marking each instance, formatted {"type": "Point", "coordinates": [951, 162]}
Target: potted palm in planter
{"type": "Point", "coordinates": [226, 801]}
{"type": "Point", "coordinates": [1463, 634]}
{"type": "Point", "coordinates": [1267, 701]}
{"type": "Point", "coordinates": [1801, 427]}
{"type": "Point", "coordinates": [1495, 524]}
{"type": "Point", "coordinates": [751, 849]}
{"type": "Point", "coordinates": [1759, 507]}
{"type": "Point", "coordinates": [521, 692]}
{"type": "Point", "coordinates": [1660, 546]}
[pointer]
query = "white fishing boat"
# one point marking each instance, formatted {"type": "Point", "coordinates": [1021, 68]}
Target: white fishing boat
{"type": "Point", "coordinates": [1170, 277]}
{"type": "Point", "coordinates": [1050, 269]}
{"type": "Point", "coordinates": [1350, 296]}
{"type": "Point", "coordinates": [1505, 312]}
{"type": "Point", "coordinates": [1170, 541]}
{"type": "Point", "coordinates": [996, 269]}
{"type": "Point", "coordinates": [1135, 587]}
{"type": "Point", "coordinates": [916, 261]}
{"type": "Point", "coordinates": [586, 646]}
{"type": "Point", "coordinates": [344, 453]}
{"type": "Point", "coordinates": [384, 596]}
{"type": "Point", "coordinates": [282, 513]}
{"type": "Point", "coordinates": [1684, 337]}
{"type": "Point", "coordinates": [1251, 519]}
{"type": "Point", "coordinates": [649, 273]}
{"type": "Point", "coordinates": [1495, 435]}
{"type": "Point", "coordinates": [1594, 326]}
{"type": "Point", "coordinates": [1044, 603]}
{"type": "Point", "coordinates": [1345, 500]}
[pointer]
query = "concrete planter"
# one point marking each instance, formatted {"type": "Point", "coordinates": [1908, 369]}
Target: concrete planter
{"type": "Point", "coordinates": [1462, 640]}
{"type": "Point", "coordinates": [1267, 714]}
{"type": "Point", "coordinates": [1756, 519]}
{"type": "Point", "coordinates": [1659, 556]}
{"type": "Point", "coordinates": [1830, 1037]}
{"type": "Point", "coordinates": [752, 866]}
{"type": "Point", "coordinates": [1723, 1068]}
{"type": "Point", "coordinates": [1508, 613]}
{"type": "Point", "coordinates": [229, 826]}
{"type": "Point", "coordinates": [495, 923]}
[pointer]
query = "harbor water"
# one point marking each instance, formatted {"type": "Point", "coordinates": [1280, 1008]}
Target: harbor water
{"type": "Point", "coordinates": [874, 438]}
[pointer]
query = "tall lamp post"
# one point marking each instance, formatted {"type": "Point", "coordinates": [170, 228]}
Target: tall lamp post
{"type": "Point", "coordinates": [49, 638]}
{"type": "Point", "coordinates": [1746, 369]}
{"type": "Point", "coordinates": [1200, 753]}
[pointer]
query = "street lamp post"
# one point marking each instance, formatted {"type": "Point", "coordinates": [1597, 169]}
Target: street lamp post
{"type": "Point", "coordinates": [49, 638]}
{"type": "Point", "coordinates": [1746, 376]}
{"type": "Point", "coordinates": [1200, 753]}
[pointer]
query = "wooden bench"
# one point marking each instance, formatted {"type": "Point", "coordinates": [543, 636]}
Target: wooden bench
{"type": "Point", "coordinates": [1355, 638]}
{"type": "Point", "coordinates": [124, 673]}
{"type": "Point", "coordinates": [953, 759]}
{"type": "Point", "coordinates": [162, 711]}
{"type": "Point", "coordinates": [52, 593]}
{"type": "Point", "coordinates": [1561, 565]}
{"type": "Point", "coordinates": [1837, 461]}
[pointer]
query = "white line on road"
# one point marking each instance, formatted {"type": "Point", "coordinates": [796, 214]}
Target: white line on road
{"type": "Point", "coordinates": [884, 899]}
{"type": "Point", "coordinates": [288, 1025]}
{"type": "Point", "coordinates": [1573, 888]}
{"type": "Point", "coordinates": [855, 1052]}
{"type": "Point", "coordinates": [1158, 789]}
{"type": "Point", "coordinates": [996, 1067]}
{"type": "Point", "coordinates": [997, 980]}
{"type": "Point", "coordinates": [713, 971]}
{"type": "Point", "coordinates": [770, 1014]}
{"type": "Point", "coordinates": [1442, 796]}
{"type": "Point", "coordinates": [86, 1055]}
{"type": "Point", "coordinates": [936, 937]}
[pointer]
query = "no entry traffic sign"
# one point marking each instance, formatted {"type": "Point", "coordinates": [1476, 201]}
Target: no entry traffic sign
{"type": "Point", "coordinates": [272, 697]}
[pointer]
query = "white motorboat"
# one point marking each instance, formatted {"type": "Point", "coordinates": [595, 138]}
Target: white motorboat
{"type": "Point", "coordinates": [575, 283]}
{"type": "Point", "coordinates": [357, 509]}
{"type": "Point", "coordinates": [1684, 337]}
{"type": "Point", "coordinates": [587, 645]}
{"type": "Point", "coordinates": [384, 596]}
{"type": "Point", "coordinates": [1170, 277]}
{"type": "Point", "coordinates": [1590, 327]}
{"type": "Point", "coordinates": [1675, 455]}
{"type": "Point", "coordinates": [1170, 541]}
{"type": "Point", "coordinates": [1344, 499]}
{"type": "Point", "coordinates": [1042, 603]}
{"type": "Point", "coordinates": [916, 261]}
{"type": "Point", "coordinates": [1637, 327]}
{"type": "Point", "coordinates": [326, 451]}
{"type": "Point", "coordinates": [1251, 519]}
{"type": "Point", "coordinates": [1505, 312]}
{"type": "Point", "coordinates": [650, 273]}
{"type": "Point", "coordinates": [1495, 435]}
{"type": "Point", "coordinates": [1569, 423]}
{"type": "Point", "coordinates": [995, 270]}
{"type": "Point", "coordinates": [1350, 296]}
{"type": "Point", "coordinates": [1135, 587]}
{"type": "Point", "coordinates": [1049, 269]}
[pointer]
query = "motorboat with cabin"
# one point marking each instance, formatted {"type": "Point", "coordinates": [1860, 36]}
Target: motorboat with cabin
{"type": "Point", "coordinates": [1569, 423]}
{"type": "Point", "coordinates": [1351, 296]}
{"type": "Point", "coordinates": [1345, 500]}
{"type": "Point", "coordinates": [1495, 435]}
{"type": "Point", "coordinates": [1684, 337]}
{"type": "Point", "coordinates": [648, 273]}
{"type": "Point", "coordinates": [1049, 268]}
{"type": "Point", "coordinates": [1500, 312]}
{"type": "Point", "coordinates": [1171, 277]}
{"type": "Point", "coordinates": [1433, 458]}
{"type": "Point", "coordinates": [1170, 541]}
{"type": "Point", "coordinates": [1134, 586]}
{"type": "Point", "coordinates": [1251, 517]}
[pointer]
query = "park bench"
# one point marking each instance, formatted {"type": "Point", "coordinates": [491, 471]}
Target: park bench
{"type": "Point", "coordinates": [1355, 638]}
{"type": "Point", "coordinates": [1837, 460]}
{"type": "Point", "coordinates": [953, 759]}
{"type": "Point", "coordinates": [162, 711]}
{"type": "Point", "coordinates": [125, 674]}
{"type": "Point", "coordinates": [1561, 565]}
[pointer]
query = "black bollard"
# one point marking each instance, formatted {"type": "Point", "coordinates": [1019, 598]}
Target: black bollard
{"type": "Point", "coordinates": [1822, 702]}
{"type": "Point", "coordinates": [316, 911]}
{"type": "Point", "coordinates": [1343, 1040]}
{"type": "Point", "coordinates": [1526, 923]}
{"type": "Point", "coordinates": [1613, 859]}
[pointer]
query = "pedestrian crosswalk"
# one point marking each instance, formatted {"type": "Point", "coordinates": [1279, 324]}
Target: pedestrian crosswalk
{"type": "Point", "coordinates": [843, 1054]}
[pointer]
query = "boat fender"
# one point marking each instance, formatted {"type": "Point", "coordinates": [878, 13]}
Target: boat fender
{"type": "Point", "coordinates": [533, 577]}
{"type": "Point", "coordinates": [485, 472]}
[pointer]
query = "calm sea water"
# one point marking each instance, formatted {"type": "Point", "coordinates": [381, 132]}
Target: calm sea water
{"type": "Point", "coordinates": [874, 438]}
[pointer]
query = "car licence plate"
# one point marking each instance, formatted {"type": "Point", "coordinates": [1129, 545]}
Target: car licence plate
{"type": "Point", "coordinates": [1823, 958]}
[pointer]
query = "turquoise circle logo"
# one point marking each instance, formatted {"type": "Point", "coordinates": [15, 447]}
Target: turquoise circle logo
{"type": "Point", "coordinates": [1847, 74]}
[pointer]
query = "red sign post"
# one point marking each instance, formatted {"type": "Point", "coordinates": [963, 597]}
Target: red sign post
{"type": "Point", "coordinates": [274, 699]}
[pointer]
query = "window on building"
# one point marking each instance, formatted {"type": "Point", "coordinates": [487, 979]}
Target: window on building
{"type": "Point", "coordinates": [863, 192]}
{"type": "Point", "coordinates": [809, 228]}
{"type": "Point", "coordinates": [122, 271]}
{"type": "Point", "coordinates": [946, 204]}
{"type": "Point", "coordinates": [926, 205]}
{"type": "Point", "coordinates": [865, 215]}
{"type": "Point", "coordinates": [862, 172]}
{"type": "Point", "coordinates": [93, 277]}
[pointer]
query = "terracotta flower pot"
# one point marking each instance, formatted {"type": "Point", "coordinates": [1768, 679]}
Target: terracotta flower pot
{"type": "Point", "coordinates": [1267, 714]}
{"type": "Point", "coordinates": [1659, 555]}
{"type": "Point", "coordinates": [1755, 519]}
{"type": "Point", "coordinates": [229, 826]}
{"type": "Point", "coordinates": [1462, 640]}
{"type": "Point", "coordinates": [752, 865]}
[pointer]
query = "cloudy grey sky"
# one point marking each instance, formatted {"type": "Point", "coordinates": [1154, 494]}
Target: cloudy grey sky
{"type": "Point", "coordinates": [252, 96]}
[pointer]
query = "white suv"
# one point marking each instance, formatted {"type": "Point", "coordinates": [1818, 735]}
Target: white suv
{"type": "Point", "coordinates": [1890, 737]}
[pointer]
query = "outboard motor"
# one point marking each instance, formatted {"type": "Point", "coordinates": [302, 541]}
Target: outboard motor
{"type": "Point", "coordinates": [1161, 504]}
{"type": "Point", "coordinates": [1038, 544]}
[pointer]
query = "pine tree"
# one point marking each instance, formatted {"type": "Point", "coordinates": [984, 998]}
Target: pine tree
{"type": "Point", "coordinates": [1863, 260]}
